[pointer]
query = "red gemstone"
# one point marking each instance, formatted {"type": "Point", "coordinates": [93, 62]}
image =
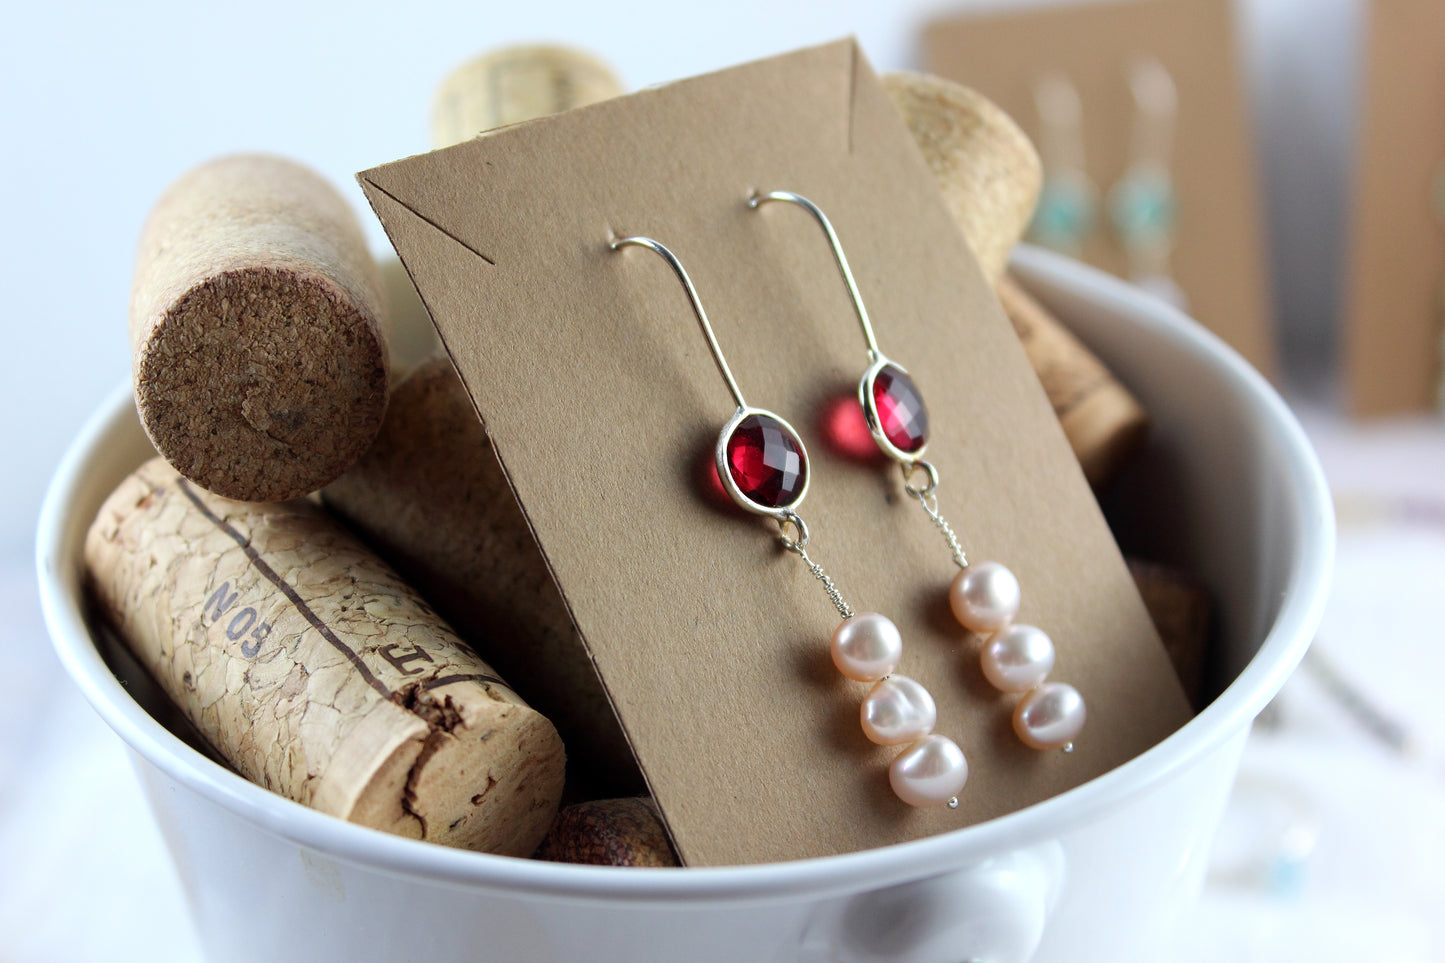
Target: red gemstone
{"type": "Point", "coordinates": [900, 410]}
{"type": "Point", "coordinates": [766, 461]}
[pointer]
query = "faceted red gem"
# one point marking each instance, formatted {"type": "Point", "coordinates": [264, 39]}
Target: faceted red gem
{"type": "Point", "coordinates": [900, 409]}
{"type": "Point", "coordinates": [766, 461]}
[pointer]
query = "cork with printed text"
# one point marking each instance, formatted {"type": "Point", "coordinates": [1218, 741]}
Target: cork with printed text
{"type": "Point", "coordinates": [315, 671]}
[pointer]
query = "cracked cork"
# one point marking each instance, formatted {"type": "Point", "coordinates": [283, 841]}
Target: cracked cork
{"type": "Point", "coordinates": [315, 671]}
{"type": "Point", "coordinates": [259, 357]}
{"type": "Point", "coordinates": [431, 498]}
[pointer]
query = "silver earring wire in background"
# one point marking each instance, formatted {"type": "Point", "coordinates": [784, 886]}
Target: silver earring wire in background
{"type": "Point", "coordinates": [1143, 206]}
{"type": "Point", "coordinates": [1068, 200]}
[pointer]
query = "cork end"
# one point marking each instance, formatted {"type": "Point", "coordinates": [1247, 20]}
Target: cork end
{"type": "Point", "coordinates": [263, 383]}
{"type": "Point", "coordinates": [487, 776]}
{"type": "Point", "coordinates": [608, 832]}
{"type": "Point", "coordinates": [516, 84]}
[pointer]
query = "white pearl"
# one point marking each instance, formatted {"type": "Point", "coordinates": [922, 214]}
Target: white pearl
{"type": "Point", "coordinates": [1017, 658]}
{"type": "Point", "coordinates": [1050, 717]}
{"type": "Point", "coordinates": [897, 710]}
{"type": "Point", "coordinates": [984, 596]}
{"type": "Point", "coordinates": [930, 772]}
{"type": "Point", "coordinates": [866, 647]}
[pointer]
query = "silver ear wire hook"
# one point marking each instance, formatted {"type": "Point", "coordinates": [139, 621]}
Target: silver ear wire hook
{"type": "Point", "coordinates": [838, 256]}
{"type": "Point", "coordinates": [773, 478]}
{"type": "Point", "coordinates": [681, 272]}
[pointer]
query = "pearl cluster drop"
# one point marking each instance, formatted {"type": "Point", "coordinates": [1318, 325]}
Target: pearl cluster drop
{"type": "Point", "coordinates": [1017, 658]}
{"type": "Point", "coordinates": [898, 711]}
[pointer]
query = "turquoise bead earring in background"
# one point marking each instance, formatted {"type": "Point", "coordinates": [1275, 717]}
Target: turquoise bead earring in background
{"type": "Point", "coordinates": [1142, 205]}
{"type": "Point", "coordinates": [1068, 200]}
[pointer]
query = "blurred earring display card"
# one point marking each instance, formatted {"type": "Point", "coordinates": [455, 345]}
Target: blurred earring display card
{"type": "Point", "coordinates": [1142, 122]}
{"type": "Point", "coordinates": [1395, 275]}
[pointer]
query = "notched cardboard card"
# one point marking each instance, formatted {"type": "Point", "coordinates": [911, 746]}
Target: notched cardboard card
{"type": "Point", "coordinates": [602, 400]}
{"type": "Point", "coordinates": [1218, 258]}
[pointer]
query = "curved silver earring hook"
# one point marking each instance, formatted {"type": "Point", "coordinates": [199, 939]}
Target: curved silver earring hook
{"type": "Point", "coordinates": [681, 272]}
{"type": "Point", "coordinates": [838, 256]}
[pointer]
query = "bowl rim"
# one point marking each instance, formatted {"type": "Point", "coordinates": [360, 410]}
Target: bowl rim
{"type": "Point", "coordinates": [1232, 711]}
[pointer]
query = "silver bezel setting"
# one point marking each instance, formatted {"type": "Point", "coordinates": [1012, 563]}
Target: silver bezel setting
{"type": "Point", "coordinates": [870, 412]}
{"type": "Point", "coordinates": [720, 453]}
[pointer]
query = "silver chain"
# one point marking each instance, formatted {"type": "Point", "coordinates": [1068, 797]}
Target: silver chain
{"type": "Point", "coordinates": [797, 547]}
{"type": "Point", "coordinates": [928, 498]}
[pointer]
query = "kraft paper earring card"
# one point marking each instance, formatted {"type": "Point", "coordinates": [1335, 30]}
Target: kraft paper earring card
{"type": "Point", "coordinates": [600, 396]}
{"type": "Point", "coordinates": [1158, 87]}
{"type": "Point", "coordinates": [1394, 332]}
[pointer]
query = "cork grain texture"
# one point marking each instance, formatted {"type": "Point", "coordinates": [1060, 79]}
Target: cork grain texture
{"type": "Point", "coordinates": [259, 354]}
{"type": "Point", "coordinates": [315, 671]}
{"type": "Point", "coordinates": [432, 500]}
{"type": "Point", "coordinates": [608, 832]}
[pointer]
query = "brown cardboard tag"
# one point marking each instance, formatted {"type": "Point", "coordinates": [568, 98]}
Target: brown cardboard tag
{"type": "Point", "coordinates": [602, 399]}
{"type": "Point", "coordinates": [1218, 257]}
{"type": "Point", "coordinates": [1395, 303]}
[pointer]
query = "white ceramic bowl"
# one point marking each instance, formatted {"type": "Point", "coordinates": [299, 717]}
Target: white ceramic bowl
{"type": "Point", "coordinates": [1102, 872]}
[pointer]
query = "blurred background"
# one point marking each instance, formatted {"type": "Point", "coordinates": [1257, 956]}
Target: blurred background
{"type": "Point", "coordinates": [1278, 141]}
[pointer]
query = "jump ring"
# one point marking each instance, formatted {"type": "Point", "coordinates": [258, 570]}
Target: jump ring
{"type": "Point", "coordinates": [791, 543]}
{"type": "Point", "coordinates": [910, 469]}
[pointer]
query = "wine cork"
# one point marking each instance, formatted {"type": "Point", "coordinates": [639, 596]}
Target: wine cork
{"type": "Point", "coordinates": [515, 84]}
{"type": "Point", "coordinates": [1179, 605]}
{"type": "Point", "coordinates": [259, 359]}
{"type": "Point", "coordinates": [1103, 421]}
{"type": "Point", "coordinates": [432, 499]}
{"type": "Point", "coordinates": [315, 671]}
{"type": "Point", "coordinates": [608, 832]}
{"type": "Point", "coordinates": [985, 165]}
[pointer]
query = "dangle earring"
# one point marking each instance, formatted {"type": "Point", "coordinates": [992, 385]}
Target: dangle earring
{"type": "Point", "coordinates": [984, 596]}
{"type": "Point", "coordinates": [764, 467]}
{"type": "Point", "coordinates": [1068, 199]}
{"type": "Point", "coordinates": [1142, 204]}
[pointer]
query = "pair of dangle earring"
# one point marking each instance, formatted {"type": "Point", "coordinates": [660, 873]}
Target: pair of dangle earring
{"type": "Point", "coordinates": [763, 466]}
{"type": "Point", "coordinates": [984, 596]}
